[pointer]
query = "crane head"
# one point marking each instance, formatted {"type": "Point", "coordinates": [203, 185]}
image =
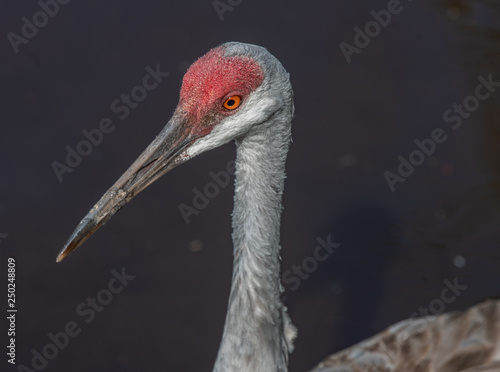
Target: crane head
{"type": "Point", "coordinates": [225, 93]}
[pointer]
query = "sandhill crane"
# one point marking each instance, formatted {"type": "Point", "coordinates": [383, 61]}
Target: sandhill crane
{"type": "Point", "coordinates": [241, 92]}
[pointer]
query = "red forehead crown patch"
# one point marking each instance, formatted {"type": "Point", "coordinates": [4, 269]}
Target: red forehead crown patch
{"type": "Point", "coordinates": [213, 76]}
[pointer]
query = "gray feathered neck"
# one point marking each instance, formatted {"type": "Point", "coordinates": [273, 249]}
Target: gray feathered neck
{"type": "Point", "coordinates": [258, 334]}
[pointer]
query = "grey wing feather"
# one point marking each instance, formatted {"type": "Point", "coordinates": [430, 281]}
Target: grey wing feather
{"type": "Point", "coordinates": [494, 367]}
{"type": "Point", "coordinates": [455, 342]}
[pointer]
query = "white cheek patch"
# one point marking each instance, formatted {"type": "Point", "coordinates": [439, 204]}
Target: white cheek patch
{"type": "Point", "coordinates": [256, 109]}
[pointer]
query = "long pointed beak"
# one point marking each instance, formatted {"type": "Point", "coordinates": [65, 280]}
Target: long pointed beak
{"type": "Point", "coordinates": [159, 157]}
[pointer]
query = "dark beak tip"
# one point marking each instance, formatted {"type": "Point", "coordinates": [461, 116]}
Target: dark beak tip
{"type": "Point", "coordinates": [62, 255]}
{"type": "Point", "coordinates": [69, 247]}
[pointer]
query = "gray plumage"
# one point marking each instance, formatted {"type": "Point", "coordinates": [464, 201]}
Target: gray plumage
{"type": "Point", "coordinates": [466, 341]}
{"type": "Point", "coordinates": [258, 334]}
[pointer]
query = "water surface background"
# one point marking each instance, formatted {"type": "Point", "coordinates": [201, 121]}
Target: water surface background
{"type": "Point", "coordinates": [353, 120]}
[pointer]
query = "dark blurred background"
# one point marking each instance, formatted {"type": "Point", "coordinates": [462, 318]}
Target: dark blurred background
{"type": "Point", "coordinates": [352, 122]}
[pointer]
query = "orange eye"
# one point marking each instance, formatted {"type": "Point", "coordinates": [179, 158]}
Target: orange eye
{"type": "Point", "coordinates": [232, 102]}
